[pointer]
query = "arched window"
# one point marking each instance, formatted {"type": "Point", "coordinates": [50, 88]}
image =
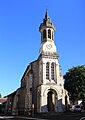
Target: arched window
{"type": "Point", "coordinates": [47, 70]}
{"type": "Point", "coordinates": [52, 71]}
{"type": "Point", "coordinates": [44, 34]}
{"type": "Point", "coordinates": [52, 35]}
{"type": "Point", "coordinates": [49, 33]}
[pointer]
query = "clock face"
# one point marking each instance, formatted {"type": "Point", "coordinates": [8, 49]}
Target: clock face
{"type": "Point", "coordinates": [49, 46]}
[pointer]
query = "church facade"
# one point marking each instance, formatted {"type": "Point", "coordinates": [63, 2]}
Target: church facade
{"type": "Point", "coordinates": [42, 86]}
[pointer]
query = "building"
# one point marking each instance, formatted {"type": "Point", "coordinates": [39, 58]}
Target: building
{"type": "Point", "coordinates": [2, 105]}
{"type": "Point", "coordinates": [42, 86]}
{"type": "Point", "coordinates": [2, 100]}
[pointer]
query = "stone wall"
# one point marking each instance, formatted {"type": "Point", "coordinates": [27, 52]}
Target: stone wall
{"type": "Point", "coordinates": [35, 83]}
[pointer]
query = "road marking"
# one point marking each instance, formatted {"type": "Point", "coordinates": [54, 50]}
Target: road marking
{"type": "Point", "coordinates": [83, 118]}
{"type": "Point", "coordinates": [1, 117]}
{"type": "Point", "coordinates": [30, 118]}
{"type": "Point", "coordinates": [8, 117]}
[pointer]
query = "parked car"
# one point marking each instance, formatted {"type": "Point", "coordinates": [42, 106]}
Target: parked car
{"type": "Point", "coordinates": [71, 108]}
{"type": "Point", "coordinates": [77, 108]}
{"type": "Point", "coordinates": [82, 108]}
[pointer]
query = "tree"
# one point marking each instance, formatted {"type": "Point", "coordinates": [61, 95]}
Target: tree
{"type": "Point", "coordinates": [75, 83]}
{"type": "Point", "coordinates": [0, 95]}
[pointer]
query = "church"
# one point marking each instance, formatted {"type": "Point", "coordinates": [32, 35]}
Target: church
{"type": "Point", "coordinates": [42, 86]}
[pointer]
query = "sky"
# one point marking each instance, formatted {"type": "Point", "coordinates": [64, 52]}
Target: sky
{"type": "Point", "coordinates": [20, 37]}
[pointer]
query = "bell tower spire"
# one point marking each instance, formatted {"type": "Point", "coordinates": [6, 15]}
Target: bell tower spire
{"type": "Point", "coordinates": [47, 29]}
{"type": "Point", "coordinates": [46, 16]}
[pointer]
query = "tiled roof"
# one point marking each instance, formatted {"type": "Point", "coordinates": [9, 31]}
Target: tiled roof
{"type": "Point", "coordinates": [3, 100]}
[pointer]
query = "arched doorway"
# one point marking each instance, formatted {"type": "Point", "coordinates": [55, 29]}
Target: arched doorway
{"type": "Point", "coordinates": [52, 101]}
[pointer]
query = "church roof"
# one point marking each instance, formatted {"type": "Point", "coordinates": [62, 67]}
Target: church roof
{"type": "Point", "coordinates": [47, 22]}
{"type": "Point", "coordinates": [47, 18]}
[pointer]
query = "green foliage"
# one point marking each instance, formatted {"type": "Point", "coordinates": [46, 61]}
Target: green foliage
{"type": "Point", "coordinates": [75, 82]}
{"type": "Point", "coordinates": [0, 95]}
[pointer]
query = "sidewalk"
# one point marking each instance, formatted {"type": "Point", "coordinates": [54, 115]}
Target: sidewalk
{"type": "Point", "coordinates": [47, 115]}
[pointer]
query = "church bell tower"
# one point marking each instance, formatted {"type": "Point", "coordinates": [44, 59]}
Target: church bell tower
{"type": "Point", "coordinates": [47, 29]}
{"type": "Point", "coordinates": [49, 90]}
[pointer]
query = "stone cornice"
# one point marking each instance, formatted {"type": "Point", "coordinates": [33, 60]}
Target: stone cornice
{"type": "Point", "coordinates": [51, 55]}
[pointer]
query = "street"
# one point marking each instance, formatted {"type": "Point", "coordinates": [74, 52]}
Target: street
{"type": "Point", "coordinates": [49, 116]}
